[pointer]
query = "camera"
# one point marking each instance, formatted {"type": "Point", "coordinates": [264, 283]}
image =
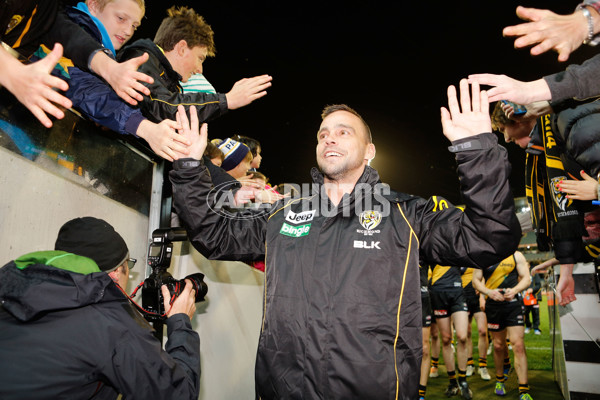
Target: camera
{"type": "Point", "coordinates": [160, 252]}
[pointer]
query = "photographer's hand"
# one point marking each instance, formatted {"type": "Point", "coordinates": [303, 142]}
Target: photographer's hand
{"type": "Point", "coordinates": [183, 304]}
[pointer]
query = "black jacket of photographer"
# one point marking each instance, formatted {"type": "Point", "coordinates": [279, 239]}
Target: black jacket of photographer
{"type": "Point", "coordinates": [342, 316]}
{"type": "Point", "coordinates": [73, 335]}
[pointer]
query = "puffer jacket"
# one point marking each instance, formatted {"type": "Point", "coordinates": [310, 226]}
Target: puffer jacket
{"type": "Point", "coordinates": [68, 332]}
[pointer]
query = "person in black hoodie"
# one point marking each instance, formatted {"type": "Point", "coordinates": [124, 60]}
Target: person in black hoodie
{"type": "Point", "coordinates": [69, 331]}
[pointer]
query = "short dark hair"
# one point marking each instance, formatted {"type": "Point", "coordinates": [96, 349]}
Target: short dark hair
{"type": "Point", "coordinates": [182, 23]}
{"type": "Point", "coordinates": [330, 109]}
{"type": "Point", "coordinates": [252, 144]}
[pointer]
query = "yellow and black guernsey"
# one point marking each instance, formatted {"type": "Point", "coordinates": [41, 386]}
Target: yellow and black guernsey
{"type": "Point", "coordinates": [503, 275]}
{"type": "Point", "coordinates": [342, 308]}
{"type": "Point", "coordinates": [444, 278]}
{"type": "Point", "coordinates": [467, 281]}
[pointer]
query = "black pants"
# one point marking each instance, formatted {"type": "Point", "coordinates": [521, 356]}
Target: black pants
{"type": "Point", "coordinates": [535, 314]}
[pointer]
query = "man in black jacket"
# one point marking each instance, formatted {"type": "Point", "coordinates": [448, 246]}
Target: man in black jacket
{"type": "Point", "coordinates": [68, 331]}
{"type": "Point", "coordinates": [342, 314]}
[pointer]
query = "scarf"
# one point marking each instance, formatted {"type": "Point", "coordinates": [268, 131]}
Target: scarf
{"type": "Point", "coordinates": [557, 222]}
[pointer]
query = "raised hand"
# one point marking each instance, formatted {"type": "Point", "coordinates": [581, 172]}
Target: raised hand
{"type": "Point", "coordinates": [468, 119]}
{"type": "Point", "coordinates": [33, 84]}
{"type": "Point", "coordinates": [190, 130]}
{"type": "Point", "coordinates": [548, 31]}
{"type": "Point", "coordinates": [247, 90]}
{"type": "Point", "coordinates": [123, 77]}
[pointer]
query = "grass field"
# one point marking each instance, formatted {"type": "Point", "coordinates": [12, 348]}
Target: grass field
{"type": "Point", "coordinates": [539, 359]}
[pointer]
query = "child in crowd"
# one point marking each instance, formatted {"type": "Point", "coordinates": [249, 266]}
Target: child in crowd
{"type": "Point", "coordinates": [112, 23]}
{"type": "Point", "coordinates": [255, 149]}
{"type": "Point", "coordinates": [182, 42]}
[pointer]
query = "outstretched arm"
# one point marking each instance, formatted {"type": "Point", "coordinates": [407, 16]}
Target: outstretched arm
{"type": "Point", "coordinates": [469, 118]}
{"type": "Point", "coordinates": [549, 31]}
{"type": "Point", "coordinates": [488, 230]}
{"type": "Point", "coordinates": [123, 77]}
{"type": "Point", "coordinates": [33, 85]}
{"type": "Point", "coordinates": [507, 88]}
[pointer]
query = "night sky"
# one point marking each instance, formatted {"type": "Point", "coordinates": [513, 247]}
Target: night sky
{"type": "Point", "coordinates": [392, 63]}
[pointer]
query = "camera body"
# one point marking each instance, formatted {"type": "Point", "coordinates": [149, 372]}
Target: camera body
{"type": "Point", "coordinates": [160, 253]}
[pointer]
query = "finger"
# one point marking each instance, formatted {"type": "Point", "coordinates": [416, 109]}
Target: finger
{"type": "Point", "coordinates": [465, 97]}
{"type": "Point", "coordinates": [39, 114]}
{"type": "Point", "coordinates": [138, 61]}
{"type": "Point", "coordinates": [50, 61]}
{"type": "Point", "coordinates": [476, 97]}
{"type": "Point", "coordinates": [445, 117]}
{"type": "Point", "coordinates": [194, 123]}
{"type": "Point", "coordinates": [586, 176]}
{"type": "Point", "coordinates": [57, 98]}
{"type": "Point", "coordinates": [166, 297]}
{"type": "Point", "coordinates": [50, 108]}
{"type": "Point", "coordinates": [136, 90]}
{"type": "Point", "coordinates": [53, 81]}
{"type": "Point", "coordinates": [453, 102]}
{"type": "Point", "coordinates": [484, 107]}
{"type": "Point", "coordinates": [179, 142]}
{"type": "Point", "coordinates": [183, 119]}
{"type": "Point", "coordinates": [484, 79]}
{"type": "Point", "coordinates": [123, 95]}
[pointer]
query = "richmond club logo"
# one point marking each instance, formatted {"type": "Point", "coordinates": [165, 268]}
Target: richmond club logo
{"type": "Point", "coordinates": [560, 197]}
{"type": "Point", "coordinates": [370, 219]}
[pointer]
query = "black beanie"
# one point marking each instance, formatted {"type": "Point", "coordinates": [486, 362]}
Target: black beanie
{"type": "Point", "coordinates": [93, 238]}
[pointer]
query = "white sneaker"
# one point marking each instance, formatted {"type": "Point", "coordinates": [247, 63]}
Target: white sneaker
{"type": "Point", "coordinates": [470, 370]}
{"type": "Point", "coordinates": [537, 332]}
{"type": "Point", "coordinates": [527, 330]}
{"type": "Point", "coordinates": [433, 372]}
{"type": "Point", "coordinates": [485, 375]}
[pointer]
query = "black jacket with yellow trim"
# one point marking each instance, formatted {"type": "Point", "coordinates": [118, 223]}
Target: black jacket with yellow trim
{"type": "Point", "coordinates": [166, 93]}
{"type": "Point", "coordinates": [342, 312]}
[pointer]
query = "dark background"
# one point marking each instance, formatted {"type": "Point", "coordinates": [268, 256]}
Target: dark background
{"type": "Point", "coordinates": [390, 62]}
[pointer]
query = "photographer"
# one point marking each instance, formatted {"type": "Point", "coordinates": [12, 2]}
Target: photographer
{"type": "Point", "coordinates": [68, 330]}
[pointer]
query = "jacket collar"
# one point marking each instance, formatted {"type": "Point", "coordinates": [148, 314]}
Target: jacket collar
{"type": "Point", "coordinates": [151, 47]}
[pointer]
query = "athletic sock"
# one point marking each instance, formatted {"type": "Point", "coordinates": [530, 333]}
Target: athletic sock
{"type": "Point", "coordinates": [482, 362]}
{"type": "Point", "coordinates": [452, 378]}
{"type": "Point", "coordinates": [523, 388]}
{"type": "Point", "coordinates": [470, 361]}
{"type": "Point", "coordinates": [500, 378]}
{"type": "Point", "coordinates": [462, 376]}
{"type": "Point", "coordinates": [422, 390]}
{"type": "Point", "coordinates": [434, 361]}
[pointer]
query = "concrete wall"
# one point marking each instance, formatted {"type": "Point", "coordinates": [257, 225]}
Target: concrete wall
{"type": "Point", "coordinates": [228, 322]}
{"type": "Point", "coordinates": [35, 201]}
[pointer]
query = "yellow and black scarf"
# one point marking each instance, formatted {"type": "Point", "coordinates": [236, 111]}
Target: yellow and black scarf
{"type": "Point", "coordinates": [557, 222]}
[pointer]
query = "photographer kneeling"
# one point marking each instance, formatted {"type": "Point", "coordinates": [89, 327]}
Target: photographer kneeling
{"type": "Point", "coordinates": [68, 330]}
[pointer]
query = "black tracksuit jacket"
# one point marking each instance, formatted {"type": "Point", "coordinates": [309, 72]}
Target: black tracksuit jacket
{"type": "Point", "coordinates": [342, 312]}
